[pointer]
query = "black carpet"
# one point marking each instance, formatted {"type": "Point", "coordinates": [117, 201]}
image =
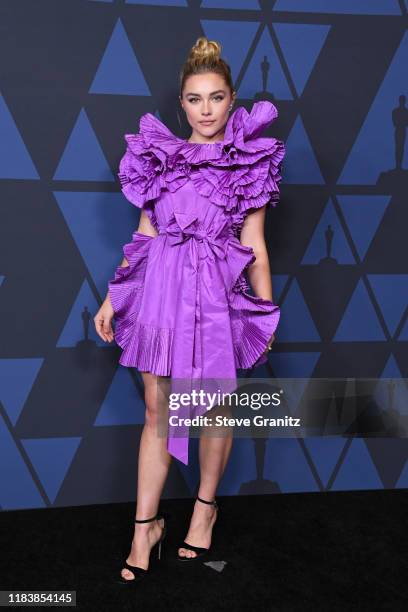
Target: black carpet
{"type": "Point", "coordinates": [312, 551]}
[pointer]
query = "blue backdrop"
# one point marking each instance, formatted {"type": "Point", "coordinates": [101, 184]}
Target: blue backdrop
{"type": "Point", "coordinates": [75, 77]}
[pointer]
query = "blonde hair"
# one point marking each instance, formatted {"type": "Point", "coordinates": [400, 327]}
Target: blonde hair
{"type": "Point", "coordinates": [205, 56]}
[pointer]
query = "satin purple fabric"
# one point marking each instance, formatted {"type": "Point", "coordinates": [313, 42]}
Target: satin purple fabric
{"type": "Point", "coordinates": [182, 306]}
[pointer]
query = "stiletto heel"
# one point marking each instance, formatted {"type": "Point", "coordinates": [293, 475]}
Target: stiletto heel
{"type": "Point", "coordinates": [199, 550]}
{"type": "Point", "coordinates": [140, 572]}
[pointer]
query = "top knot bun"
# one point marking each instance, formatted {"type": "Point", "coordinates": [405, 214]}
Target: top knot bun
{"type": "Point", "coordinates": [205, 51]}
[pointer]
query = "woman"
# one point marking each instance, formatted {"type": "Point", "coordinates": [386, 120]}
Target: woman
{"type": "Point", "coordinates": [180, 296]}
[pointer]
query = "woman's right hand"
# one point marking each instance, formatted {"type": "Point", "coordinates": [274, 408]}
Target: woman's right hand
{"type": "Point", "coordinates": [103, 321]}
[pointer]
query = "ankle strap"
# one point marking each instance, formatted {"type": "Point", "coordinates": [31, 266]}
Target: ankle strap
{"type": "Point", "coordinates": [157, 516]}
{"type": "Point", "coordinates": [213, 503]}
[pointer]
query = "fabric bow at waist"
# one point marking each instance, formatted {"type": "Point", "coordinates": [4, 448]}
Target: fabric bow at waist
{"type": "Point", "coordinates": [214, 245]}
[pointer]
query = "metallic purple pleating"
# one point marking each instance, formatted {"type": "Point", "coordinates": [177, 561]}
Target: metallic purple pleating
{"type": "Point", "coordinates": [182, 306]}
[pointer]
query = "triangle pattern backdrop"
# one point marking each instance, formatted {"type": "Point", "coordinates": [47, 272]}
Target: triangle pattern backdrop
{"type": "Point", "coordinates": [339, 263]}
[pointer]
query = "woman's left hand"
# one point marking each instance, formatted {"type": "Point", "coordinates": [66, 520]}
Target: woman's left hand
{"type": "Point", "coordinates": [268, 348]}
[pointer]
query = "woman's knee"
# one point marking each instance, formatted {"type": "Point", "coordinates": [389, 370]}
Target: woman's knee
{"type": "Point", "coordinates": [151, 413]}
{"type": "Point", "coordinates": [156, 401]}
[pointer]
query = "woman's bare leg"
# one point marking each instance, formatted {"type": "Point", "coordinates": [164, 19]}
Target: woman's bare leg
{"type": "Point", "coordinates": [214, 451]}
{"type": "Point", "coordinates": [153, 466]}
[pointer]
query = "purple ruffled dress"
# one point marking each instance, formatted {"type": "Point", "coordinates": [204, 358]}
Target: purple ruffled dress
{"type": "Point", "coordinates": [182, 307]}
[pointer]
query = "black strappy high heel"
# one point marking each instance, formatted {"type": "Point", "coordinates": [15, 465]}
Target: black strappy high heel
{"type": "Point", "coordinates": [140, 572]}
{"type": "Point", "coordinates": [199, 550]}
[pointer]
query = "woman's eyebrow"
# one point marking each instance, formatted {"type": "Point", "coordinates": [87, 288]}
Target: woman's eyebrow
{"type": "Point", "coordinates": [191, 93]}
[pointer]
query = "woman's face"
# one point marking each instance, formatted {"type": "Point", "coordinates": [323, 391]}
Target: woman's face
{"type": "Point", "coordinates": [206, 101]}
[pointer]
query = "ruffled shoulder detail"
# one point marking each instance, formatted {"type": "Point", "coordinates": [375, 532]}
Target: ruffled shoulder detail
{"type": "Point", "coordinates": [249, 172]}
{"type": "Point", "coordinates": [144, 170]}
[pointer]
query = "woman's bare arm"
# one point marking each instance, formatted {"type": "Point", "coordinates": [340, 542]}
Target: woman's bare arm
{"type": "Point", "coordinates": [252, 235]}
